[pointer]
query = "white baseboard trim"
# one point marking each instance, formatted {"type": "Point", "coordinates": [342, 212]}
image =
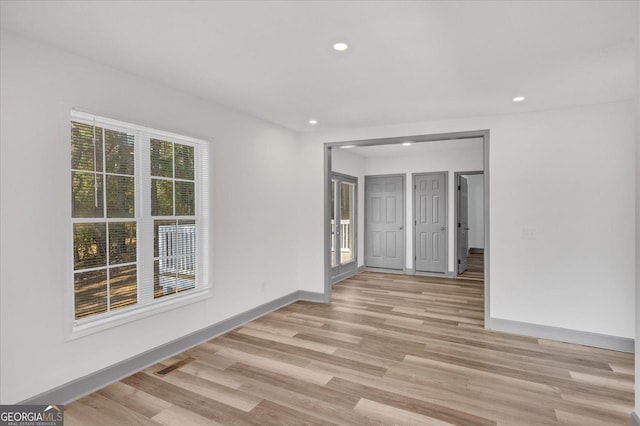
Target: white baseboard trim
{"type": "Point", "coordinates": [92, 382]}
{"type": "Point", "coordinates": [635, 419]}
{"type": "Point", "coordinates": [409, 271]}
{"type": "Point", "coordinates": [586, 338]}
{"type": "Point", "coordinates": [432, 274]}
{"type": "Point", "coordinates": [385, 271]}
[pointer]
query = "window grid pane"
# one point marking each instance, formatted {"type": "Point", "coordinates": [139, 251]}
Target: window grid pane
{"type": "Point", "coordinates": [122, 242]}
{"type": "Point", "coordinates": [185, 198]}
{"type": "Point", "coordinates": [90, 245]}
{"type": "Point", "coordinates": [87, 193]}
{"type": "Point", "coordinates": [161, 158]}
{"type": "Point", "coordinates": [184, 162]}
{"type": "Point", "coordinates": [90, 293]}
{"type": "Point", "coordinates": [119, 152]}
{"type": "Point", "coordinates": [161, 197]}
{"type": "Point", "coordinates": [86, 147]}
{"type": "Point", "coordinates": [99, 285]}
{"type": "Point", "coordinates": [123, 286]}
{"type": "Point", "coordinates": [175, 250]}
{"type": "Point", "coordinates": [173, 193]}
{"type": "Point", "coordinates": [120, 196]}
{"type": "Point", "coordinates": [108, 180]}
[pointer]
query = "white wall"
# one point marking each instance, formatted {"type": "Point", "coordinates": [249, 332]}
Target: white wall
{"type": "Point", "coordinates": [253, 186]}
{"type": "Point", "coordinates": [476, 210]}
{"type": "Point", "coordinates": [560, 173]}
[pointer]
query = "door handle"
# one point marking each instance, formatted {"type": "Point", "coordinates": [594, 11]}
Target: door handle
{"type": "Point", "coordinates": [466, 229]}
{"type": "Point", "coordinates": [443, 228]}
{"type": "Point", "coordinates": [401, 228]}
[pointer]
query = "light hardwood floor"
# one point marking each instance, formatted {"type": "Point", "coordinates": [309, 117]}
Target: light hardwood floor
{"type": "Point", "coordinates": [475, 267]}
{"type": "Point", "coordinates": [389, 349]}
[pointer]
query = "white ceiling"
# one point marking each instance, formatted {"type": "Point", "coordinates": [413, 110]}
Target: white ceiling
{"type": "Point", "coordinates": [409, 61]}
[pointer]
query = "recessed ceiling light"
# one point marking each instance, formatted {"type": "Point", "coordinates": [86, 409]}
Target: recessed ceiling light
{"type": "Point", "coordinates": [518, 99]}
{"type": "Point", "coordinates": [313, 121]}
{"type": "Point", "coordinates": [407, 143]}
{"type": "Point", "coordinates": [340, 47]}
{"type": "Point", "coordinates": [347, 146]}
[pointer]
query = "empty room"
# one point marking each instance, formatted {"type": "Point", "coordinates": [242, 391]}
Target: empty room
{"type": "Point", "coordinates": [320, 212]}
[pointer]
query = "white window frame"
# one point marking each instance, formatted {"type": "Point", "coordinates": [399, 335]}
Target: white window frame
{"type": "Point", "coordinates": [146, 304]}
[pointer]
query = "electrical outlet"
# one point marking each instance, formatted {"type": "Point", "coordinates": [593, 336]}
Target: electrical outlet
{"type": "Point", "coordinates": [528, 234]}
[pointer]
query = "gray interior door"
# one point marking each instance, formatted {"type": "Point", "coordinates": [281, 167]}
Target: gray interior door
{"type": "Point", "coordinates": [430, 200]}
{"type": "Point", "coordinates": [384, 221]}
{"type": "Point", "coordinates": [463, 224]}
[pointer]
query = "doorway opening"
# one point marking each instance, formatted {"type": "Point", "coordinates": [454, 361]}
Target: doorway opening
{"type": "Point", "coordinates": [344, 226]}
{"type": "Point", "coordinates": [470, 226]}
{"type": "Point", "coordinates": [483, 135]}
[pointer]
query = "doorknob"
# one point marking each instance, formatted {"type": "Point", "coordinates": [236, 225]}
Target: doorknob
{"type": "Point", "coordinates": [466, 229]}
{"type": "Point", "coordinates": [401, 228]}
{"type": "Point", "coordinates": [443, 228]}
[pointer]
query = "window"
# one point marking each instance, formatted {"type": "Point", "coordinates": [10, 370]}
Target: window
{"type": "Point", "coordinates": [139, 218]}
{"type": "Point", "coordinates": [173, 210]}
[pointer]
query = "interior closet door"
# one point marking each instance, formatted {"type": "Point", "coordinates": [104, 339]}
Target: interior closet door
{"type": "Point", "coordinates": [430, 225]}
{"type": "Point", "coordinates": [384, 221]}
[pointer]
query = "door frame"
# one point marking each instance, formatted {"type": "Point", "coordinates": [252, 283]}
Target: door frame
{"type": "Point", "coordinates": [472, 134]}
{"type": "Point", "coordinates": [350, 268]}
{"type": "Point", "coordinates": [455, 219]}
{"type": "Point", "coordinates": [404, 225]}
{"type": "Point", "coordinates": [446, 215]}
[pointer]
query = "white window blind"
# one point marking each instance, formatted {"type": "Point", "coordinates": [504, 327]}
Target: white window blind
{"type": "Point", "coordinates": [139, 217]}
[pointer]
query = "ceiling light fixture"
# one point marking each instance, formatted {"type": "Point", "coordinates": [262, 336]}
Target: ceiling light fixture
{"type": "Point", "coordinates": [518, 99]}
{"type": "Point", "coordinates": [347, 146]}
{"type": "Point", "coordinates": [313, 121]}
{"type": "Point", "coordinates": [340, 46]}
{"type": "Point", "coordinates": [407, 143]}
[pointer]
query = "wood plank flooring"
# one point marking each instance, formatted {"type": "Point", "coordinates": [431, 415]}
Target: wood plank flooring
{"type": "Point", "coordinates": [475, 267]}
{"type": "Point", "coordinates": [389, 349]}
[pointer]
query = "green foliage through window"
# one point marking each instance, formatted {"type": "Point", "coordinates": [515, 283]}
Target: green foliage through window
{"type": "Point", "coordinates": [123, 179]}
{"type": "Point", "coordinates": [104, 252]}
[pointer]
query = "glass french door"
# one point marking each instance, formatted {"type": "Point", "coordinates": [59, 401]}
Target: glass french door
{"type": "Point", "coordinates": [343, 226]}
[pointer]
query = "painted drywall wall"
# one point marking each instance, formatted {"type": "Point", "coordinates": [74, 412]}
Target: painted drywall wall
{"type": "Point", "coordinates": [558, 173]}
{"type": "Point", "coordinates": [343, 161]}
{"type": "Point", "coordinates": [253, 188]}
{"type": "Point", "coordinates": [476, 210]}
